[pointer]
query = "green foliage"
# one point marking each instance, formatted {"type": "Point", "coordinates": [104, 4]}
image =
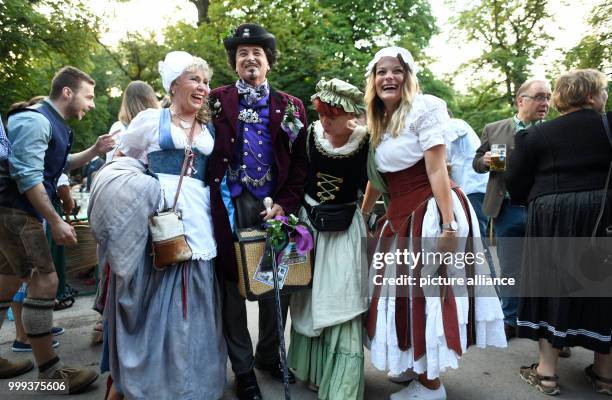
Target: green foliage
{"type": "Point", "coordinates": [316, 39]}
{"type": "Point", "coordinates": [431, 85]}
{"type": "Point", "coordinates": [513, 35]}
{"type": "Point", "coordinates": [595, 48]}
{"type": "Point", "coordinates": [37, 38]}
{"type": "Point", "coordinates": [205, 42]}
{"type": "Point", "coordinates": [137, 56]}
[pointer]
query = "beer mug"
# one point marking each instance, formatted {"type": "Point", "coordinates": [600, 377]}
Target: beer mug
{"type": "Point", "coordinates": [498, 157]}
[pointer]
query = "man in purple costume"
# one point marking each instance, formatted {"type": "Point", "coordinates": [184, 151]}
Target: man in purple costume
{"type": "Point", "coordinates": [260, 149]}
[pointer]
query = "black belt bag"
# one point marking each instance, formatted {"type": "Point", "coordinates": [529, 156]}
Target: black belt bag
{"type": "Point", "coordinates": [330, 217]}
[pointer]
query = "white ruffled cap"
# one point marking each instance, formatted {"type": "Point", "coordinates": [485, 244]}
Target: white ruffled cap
{"type": "Point", "coordinates": [173, 66]}
{"type": "Point", "coordinates": [393, 51]}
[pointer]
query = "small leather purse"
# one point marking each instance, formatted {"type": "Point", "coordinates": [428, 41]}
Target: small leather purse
{"type": "Point", "coordinates": [168, 237]}
{"type": "Point", "coordinates": [167, 232]}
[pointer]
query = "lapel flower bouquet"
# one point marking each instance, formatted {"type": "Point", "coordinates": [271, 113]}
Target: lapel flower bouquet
{"type": "Point", "coordinates": [214, 106]}
{"type": "Point", "coordinates": [291, 123]}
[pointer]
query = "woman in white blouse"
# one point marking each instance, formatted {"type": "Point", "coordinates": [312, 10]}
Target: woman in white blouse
{"type": "Point", "coordinates": [171, 345]}
{"type": "Point", "coordinates": [138, 96]}
{"type": "Point", "coordinates": [414, 329]}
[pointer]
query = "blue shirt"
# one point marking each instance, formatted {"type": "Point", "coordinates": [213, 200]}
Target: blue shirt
{"type": "Point", "coordinates": [460, 154]}
{"type": "Point", "coordinates": [29, 134]}
{"type": "Point", "coordinates": [5, 147]}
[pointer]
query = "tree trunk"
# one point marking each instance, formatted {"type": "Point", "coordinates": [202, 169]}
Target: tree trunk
{"type": "Point", "coordinates": [509, 94]}
{"type": "Point", "coordinates": [202, 6]}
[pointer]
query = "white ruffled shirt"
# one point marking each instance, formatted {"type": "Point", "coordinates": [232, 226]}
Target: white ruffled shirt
{"type": "Point", "coordinates": [425, 127]}
{"type": "Point", "coordinates": [142, 138]}
{"type": "Point", "coordinates": [349, 147]}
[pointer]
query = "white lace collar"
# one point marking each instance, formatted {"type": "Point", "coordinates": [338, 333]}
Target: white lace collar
{"type": "Point", "coordinates": [349, 147]}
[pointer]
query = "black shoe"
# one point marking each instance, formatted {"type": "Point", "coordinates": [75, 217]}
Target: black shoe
{"type": "Point", "coordinates": [276, 371]}
{"type": "Point", "coordinates": [510, 331]}
{"type": "Point", "coordinates": [247, 387]}
{"type": "Point", "coordinates": [565, 352]}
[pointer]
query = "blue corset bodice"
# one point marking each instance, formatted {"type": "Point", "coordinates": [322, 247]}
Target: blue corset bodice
{"type": "Point", "coordinates": [169, 160]}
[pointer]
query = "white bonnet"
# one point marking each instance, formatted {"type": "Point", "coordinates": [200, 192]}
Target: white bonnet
{"type": "Point", "coordinates": [173, 66]}
{"type": "Point", "coordinates": [393, 51]}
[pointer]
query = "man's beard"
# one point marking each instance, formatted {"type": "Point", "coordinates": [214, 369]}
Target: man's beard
{"type": "Point", "coordinates": [253, 74]}
{"type": "Point", "coordinates": [71, 110]}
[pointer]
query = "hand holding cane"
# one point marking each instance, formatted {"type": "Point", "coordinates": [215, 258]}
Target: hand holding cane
{"type": "Point", "coordinates": [268, 203]}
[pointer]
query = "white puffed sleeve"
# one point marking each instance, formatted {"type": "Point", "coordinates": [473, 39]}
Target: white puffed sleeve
{"type": "Point", "coordinates": [63, 180]}
{"type": "Point", "coordinates": [142, 131]}
{"type": "Point", "coordinates": [431, 126]}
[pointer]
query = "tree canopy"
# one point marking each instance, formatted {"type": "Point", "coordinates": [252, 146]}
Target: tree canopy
{"type": "Point", "coordinates": [38, 37]}
{"type": "Point", "coordinates": [316, 39]}
{"type": "Point", "coordinates": [595, 48]}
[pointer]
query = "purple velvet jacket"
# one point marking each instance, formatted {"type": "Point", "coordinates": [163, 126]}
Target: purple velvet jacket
{"type": "Point", "coordinates": [290, 160]}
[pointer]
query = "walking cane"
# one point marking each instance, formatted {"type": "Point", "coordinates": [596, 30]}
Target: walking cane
{"type": "Point", "coordinates": [279, 314]}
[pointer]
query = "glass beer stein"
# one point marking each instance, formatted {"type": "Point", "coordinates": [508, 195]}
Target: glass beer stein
{"type": "Point", "coordinates": [498, 157]}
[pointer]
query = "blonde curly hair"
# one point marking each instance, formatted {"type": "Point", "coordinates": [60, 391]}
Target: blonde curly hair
{"type": "Point", "coordinates": [572, 89]}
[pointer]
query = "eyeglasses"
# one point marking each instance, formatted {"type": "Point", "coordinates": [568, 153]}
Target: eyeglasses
{"type": "Point", "coordinates": [539, 99]}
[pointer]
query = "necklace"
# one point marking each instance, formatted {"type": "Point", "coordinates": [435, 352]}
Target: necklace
{"type": "Point", "coordinates": [185, 124]}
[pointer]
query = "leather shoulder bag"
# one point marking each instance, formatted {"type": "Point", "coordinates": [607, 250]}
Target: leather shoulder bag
{"type": "Point", "coordinates": [167, 232]}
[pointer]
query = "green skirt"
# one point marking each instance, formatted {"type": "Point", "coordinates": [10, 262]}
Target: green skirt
{"type": "Point", "coordinates": [332, 361]}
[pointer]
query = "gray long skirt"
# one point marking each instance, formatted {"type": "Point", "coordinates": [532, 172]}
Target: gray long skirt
{"type": "Point", "coordinates": [156, 352]}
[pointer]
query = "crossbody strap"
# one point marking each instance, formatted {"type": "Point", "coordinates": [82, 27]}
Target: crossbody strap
{"type": "Point", "coordinates": [188, 156]}
{"type": "Point", "coordinates": [606, 125]}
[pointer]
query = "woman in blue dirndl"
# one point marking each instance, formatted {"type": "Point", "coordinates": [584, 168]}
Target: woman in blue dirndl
{"type": "Point", "coordinates": [163, 327]}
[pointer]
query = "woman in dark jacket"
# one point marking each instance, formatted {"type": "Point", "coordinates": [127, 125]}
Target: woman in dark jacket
{"type": "Point", "coordinates": [559, 168]}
